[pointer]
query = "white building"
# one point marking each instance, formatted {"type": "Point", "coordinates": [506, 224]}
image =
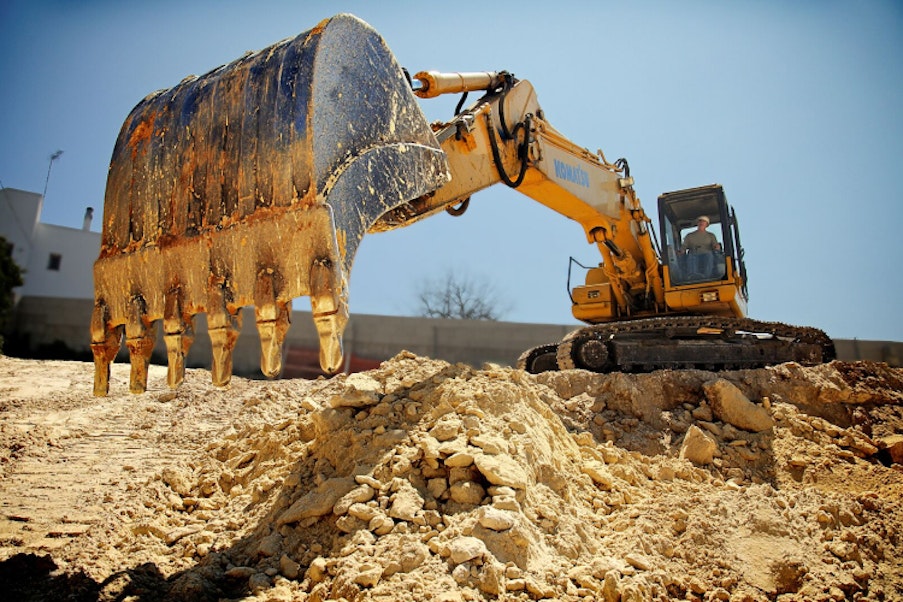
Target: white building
{"type": "Point", "coordinates": [57, 261]}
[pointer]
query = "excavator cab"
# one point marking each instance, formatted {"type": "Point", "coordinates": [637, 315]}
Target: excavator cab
{"type": "Point", "coordinates": [702, 255]}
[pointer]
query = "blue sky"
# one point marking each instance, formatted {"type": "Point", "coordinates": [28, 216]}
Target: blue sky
{"type": "Point", "coordinates": [794, 107]}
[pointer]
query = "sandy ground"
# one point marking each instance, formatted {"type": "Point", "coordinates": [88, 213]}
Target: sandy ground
{"type": "Point", "coordinates": [423, 480]}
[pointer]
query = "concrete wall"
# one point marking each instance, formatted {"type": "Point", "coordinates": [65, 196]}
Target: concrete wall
{"type": "Point", "coordinates": [48, 319]}
{"type": "Point", "coordinates": [890, 352]}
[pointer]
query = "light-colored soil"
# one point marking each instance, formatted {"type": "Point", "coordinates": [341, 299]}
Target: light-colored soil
{"type": "Point", "coordinates": [423, 480]}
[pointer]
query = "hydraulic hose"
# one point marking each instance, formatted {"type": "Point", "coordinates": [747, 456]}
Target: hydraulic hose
{"type": "Point", "coordinates": [521, 150]}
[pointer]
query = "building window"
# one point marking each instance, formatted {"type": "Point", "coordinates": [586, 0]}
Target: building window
{"type": "Point", "coordinates": [54, 262]}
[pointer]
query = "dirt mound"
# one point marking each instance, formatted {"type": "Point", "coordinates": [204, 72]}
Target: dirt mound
{"type": "Point", "coordinates": [423, 480]}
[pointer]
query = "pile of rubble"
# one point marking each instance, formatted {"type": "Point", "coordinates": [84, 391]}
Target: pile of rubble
{"type": "Point", "coordinates": [423, 480]}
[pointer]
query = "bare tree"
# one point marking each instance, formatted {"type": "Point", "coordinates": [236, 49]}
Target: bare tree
{"type": "Point", "coordinates": [463, 297]}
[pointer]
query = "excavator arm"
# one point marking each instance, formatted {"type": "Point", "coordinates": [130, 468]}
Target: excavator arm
{"type": "Point", "coordinates": [504, 138]}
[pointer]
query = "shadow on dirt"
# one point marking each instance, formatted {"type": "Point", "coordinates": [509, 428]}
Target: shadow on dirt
{"type": "Point", "coordinates": [32, 578]}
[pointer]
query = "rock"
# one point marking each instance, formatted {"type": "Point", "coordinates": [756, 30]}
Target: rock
{"type": "Point", "coordinates": [698, 447]}
{"type": "Point", "coordinates": [381, 524]}
{"type": "Point", "coordinates": [270, 545]}
{"type": "Point", "coordinates": [316, 572]}
{"type": "Point", "coordinates": [360, 494]}
{"type": "Point", "coordinates": [461, 574]}
{"type": "Point", "coordinates": [502, 470]}
{"type": "Point", "coordinates": [495, 519]}
{"type": "Point", "coordinates": [240, 572]}
{"type": "Point", "coordinates": [702, 412]}
{"type": "Point", "coordinates": [490, 444]}
{"type": "Point", "coordinates": [189, 586]}
{"type": "Point", "coordinates": [638, 561]}
{"type": "Point", "coordinates": [506, 502]}
{"type": "Point", "coordinates": [540, 590]}
{"type": "Point", "coordinates": [446, 428]}
{"type": "Point", "coordinates": [392, 568]}
{"type": "Point", "coordinates": [894, 446]}
{"type": "Point", "coordinates": [350, 524]}
{"type": "Point", "coordinates": [583, 576]}
{"type": "Point", "coordinates": [464, 549]}
{"type": "Point", "coordinates": [368, 576]}
{"type": "Point", "coordinates": [611, 589]}
{"type": "Point", "coordinates": [492, 578]}
{"type": "Point", "coordinates": [406, 504]}
{"type": "Point", "coordinates": [317, 502]}
{"type": "Point", "coordinates": [363, 512]}
{"type": "Point", "coordinates": [430, 447]}
{"type": "Point", "coordinates": [288, 567]}
{"type": "Point", "coordinates": [436, 487]}
{"type": "Point", "coordinates": [459, 460]}
{"type": "Point", "coordinates": [177, 481]}
{"type": "Point", "coordinates": [259, 582]}
{"type": "Point", "coordinates": [413, 555]}
{"type": "Point", "coordinates": [467, 492]}
{"type": "Point", "coordinates": [599, 473]}
{"type": "Point", "coordinates": [858, 443]}
{"type": "Point", "coordinates": [451, 447]}
{"type": "Point", "coordinates": [175, 535]}
{"type": "Point", "coordinates": [360, 390]}
{"type": "Point", "coordinates": [730, 405]}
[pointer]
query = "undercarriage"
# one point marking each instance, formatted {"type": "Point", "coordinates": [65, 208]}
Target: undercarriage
{"type": "Point", "coordinates": [681, 342]}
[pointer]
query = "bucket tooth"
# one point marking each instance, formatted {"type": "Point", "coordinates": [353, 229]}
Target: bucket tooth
{"type": "Point", "coordinates": [139, 339]}
{"type": "Point", "coordinates": [328, 301]}
{"type": "Point", "coordinates": [178, 334]}
{"type": "Point", "coordinates": [105, 344]}
{"type": "Point", "coordinates": [273, 321]}
{"type": "Point", "coordinates": [224, 326]}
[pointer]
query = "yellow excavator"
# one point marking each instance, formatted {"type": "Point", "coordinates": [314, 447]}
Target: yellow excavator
{"type": "Point", "coordinates": [254, 184]}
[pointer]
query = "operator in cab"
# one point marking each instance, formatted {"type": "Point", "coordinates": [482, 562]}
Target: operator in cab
{"type": "Point", "coordinates": [700, 247]}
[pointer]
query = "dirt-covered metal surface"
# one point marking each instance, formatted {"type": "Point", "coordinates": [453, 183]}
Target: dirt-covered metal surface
{"type": "Point", "coordinates": [253, 184]}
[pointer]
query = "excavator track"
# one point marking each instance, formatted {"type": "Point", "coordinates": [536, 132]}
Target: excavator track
{"type": "Point", "coordinates": [681, 342]}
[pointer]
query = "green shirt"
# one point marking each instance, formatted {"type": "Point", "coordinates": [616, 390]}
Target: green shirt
{"type": "Point", "coordinates": [698, 241]}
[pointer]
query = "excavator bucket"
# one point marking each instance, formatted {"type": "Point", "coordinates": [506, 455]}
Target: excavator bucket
{"type": "Point", "coordinates": [253, 185]}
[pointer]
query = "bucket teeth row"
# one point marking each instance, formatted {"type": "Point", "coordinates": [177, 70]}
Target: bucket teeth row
{"type": "Point", "coordinates": [206, 276]}
{"type": "Point", "coordinates": [224, 323]}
